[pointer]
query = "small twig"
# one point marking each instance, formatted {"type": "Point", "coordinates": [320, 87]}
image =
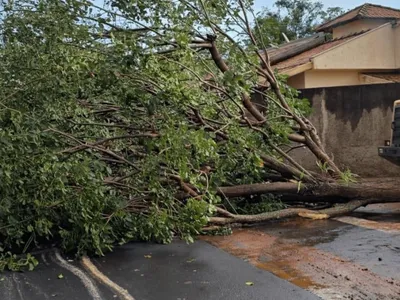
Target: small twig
{"type": "Point", "coordinates": [64, 134]}
{"type": "Point", "coordinates": [112, 154]}
{"type": "Point", "coordinates": [129, 136]}
{"type": "Point", "coordinates": [119, 179]}
{"type": "Point", "coordinates": [104, 125]}
{"type": "Point", "coordinates": [294, 148]}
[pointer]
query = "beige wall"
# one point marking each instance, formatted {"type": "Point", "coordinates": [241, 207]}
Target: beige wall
{"type": "Point", "coordinates": [356, 26]}
{"type": "Point", "coordinates": [396, 35]}
{"type": "Point", "coordinates": [352, 122]}
{"type": "Point", "coordinates": [373, 50]}
{"type": "Point", "coordinates": [328, 78]}
{"type": "Point", "coordinates": [343, 65]}
{"type": "Point", "coordinates": [332, 78]}
{"type": "Point", "coordinates": [297, 81]}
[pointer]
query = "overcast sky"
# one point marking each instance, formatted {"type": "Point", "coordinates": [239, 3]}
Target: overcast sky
{"type": "Point", "coordinates": [346, 4]}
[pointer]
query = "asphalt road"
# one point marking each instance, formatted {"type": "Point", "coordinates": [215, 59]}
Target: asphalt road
{"type": "Point", "coordinates": [151, 272]}
{"type": "Point", "coordinates": [351, 257]}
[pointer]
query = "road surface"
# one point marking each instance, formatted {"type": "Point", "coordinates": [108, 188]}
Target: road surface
{"type": "Point", "coordinates": [353, 257]}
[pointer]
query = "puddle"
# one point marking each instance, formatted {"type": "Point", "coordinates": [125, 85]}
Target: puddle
{"type": "Point", "coordinates": [305, 231]}
{"type": "Point", "coordinates": [386, 226]}
{"type": "Point", "coordinates": [287, 249]}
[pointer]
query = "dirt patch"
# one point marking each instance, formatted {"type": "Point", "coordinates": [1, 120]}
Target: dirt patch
{"type": "Point", "coordinates": [327, 275]}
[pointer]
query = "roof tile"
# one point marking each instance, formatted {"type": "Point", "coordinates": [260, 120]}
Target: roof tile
{"type": "Point", "coordinates": [365, 11]}
{"type": "Point", "coordinates": [306, 56]}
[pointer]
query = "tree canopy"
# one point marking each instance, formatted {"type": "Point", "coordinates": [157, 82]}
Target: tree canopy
{"type": "Point", "coordinates": [137, 121]}
{"type": "Point", "coordinates": [294, 18]}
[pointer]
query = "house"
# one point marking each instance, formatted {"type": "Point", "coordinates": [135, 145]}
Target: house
{"type": "Point", "coordinates": [364, 49]}
{"type": "Point", "coordinates": [350, 72]}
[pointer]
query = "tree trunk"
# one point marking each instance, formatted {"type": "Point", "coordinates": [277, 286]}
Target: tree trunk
{"type": "Point", "coordinates": [350, 198]}
{"type": "Point", "coordinates": [298, 212]}
{"type": "Point", "coordinates": [353, 191]}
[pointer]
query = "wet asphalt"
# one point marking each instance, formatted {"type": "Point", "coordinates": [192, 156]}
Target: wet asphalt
{"type": "Point", "coordinates": [377, 250]}
{"type": "Point", "coordinates": [151, 272]}
{"type": "Point", "coordinates": [292, 259]}
{"type": "Point", "coordinates": [198, 271]}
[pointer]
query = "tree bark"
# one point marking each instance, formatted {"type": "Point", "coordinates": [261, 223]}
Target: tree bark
{"type": "Point", "coordinates": [298, 212]}
{"type": "Point", "coordinates": [359, 191]}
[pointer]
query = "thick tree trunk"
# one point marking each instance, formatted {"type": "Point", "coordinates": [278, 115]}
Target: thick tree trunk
{"type": "Point", "coordinates": [298, 212]}
{"type": "Point", "coordinates": [390, 192]}
{"type": "Point", "coordinates": [350, 198]}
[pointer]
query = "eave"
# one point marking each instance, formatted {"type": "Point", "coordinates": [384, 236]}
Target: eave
{"type": "Point", "coordinates": [298, 69]}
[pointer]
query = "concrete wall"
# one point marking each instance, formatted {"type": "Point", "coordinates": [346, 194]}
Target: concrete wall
{"type": "Point", "coordinates": [352, 122]}
{"type": "Point", "coordinates": [356, 26]}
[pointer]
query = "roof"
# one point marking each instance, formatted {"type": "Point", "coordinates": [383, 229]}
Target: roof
{"type": "Point", "coordinates": [306, 56]}
{"type": "Point", "coordinates": [287, 50]}
{"type": "Point", "coordinates": [392, 77]}
{"type": "Point", "coordinates": [365, 11]}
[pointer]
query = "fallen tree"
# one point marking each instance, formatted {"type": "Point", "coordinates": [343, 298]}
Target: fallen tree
{"type": "Point", "coordinates": [351, 197]}
{"type": "Point", "coordinates": [137, 122]}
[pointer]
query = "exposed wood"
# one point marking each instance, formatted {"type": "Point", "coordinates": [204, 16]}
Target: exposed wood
{"type": "Point", "coordinates": [285, 37]}
{"type": "Point", "coordinates": [296, 138]}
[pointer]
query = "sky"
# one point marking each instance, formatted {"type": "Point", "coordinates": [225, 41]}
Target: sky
{"type": "Point", "coordinates": [346, 4]}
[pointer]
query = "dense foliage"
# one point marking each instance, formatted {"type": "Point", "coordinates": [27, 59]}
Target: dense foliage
{"type": "Point", "coordinates": [294, 18]}
{"type": "Point", "coordinates": [105, 112]}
